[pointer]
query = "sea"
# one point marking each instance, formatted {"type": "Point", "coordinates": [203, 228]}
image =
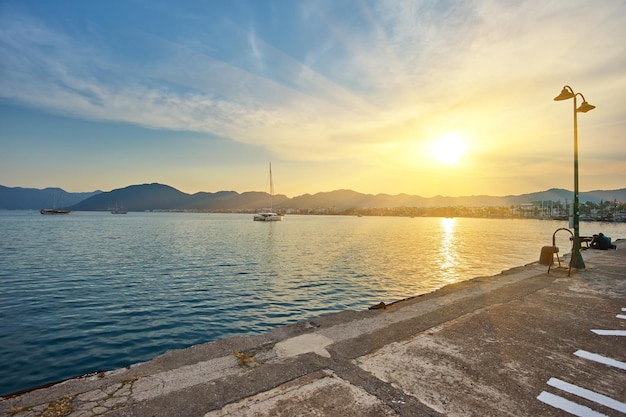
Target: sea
{"type": "Point", "coordinates": [93, 291]}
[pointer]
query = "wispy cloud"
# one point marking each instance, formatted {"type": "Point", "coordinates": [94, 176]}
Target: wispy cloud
{"type": "Point", "coordinates": [256, 53]}
{"type": "Point", "coordinates": [405, 71]}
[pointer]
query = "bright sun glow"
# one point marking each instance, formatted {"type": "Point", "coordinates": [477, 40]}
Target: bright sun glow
{"type": "Point", "coordinates": [448, 148]}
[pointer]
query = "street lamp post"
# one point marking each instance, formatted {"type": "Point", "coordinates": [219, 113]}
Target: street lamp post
{"type": "Point", "coordinates": [567, 93]}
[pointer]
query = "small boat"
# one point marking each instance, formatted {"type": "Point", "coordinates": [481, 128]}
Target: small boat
{"type": "Point", "coordinates": [119, 210]}
{"type": "Point", "coordinates": [270, 215]}
{"type": "Point", "coordinates": [54, 211]}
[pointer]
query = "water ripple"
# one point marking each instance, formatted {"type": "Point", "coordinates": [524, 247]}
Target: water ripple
{"type": "Point", "coordinates": [91, 291]}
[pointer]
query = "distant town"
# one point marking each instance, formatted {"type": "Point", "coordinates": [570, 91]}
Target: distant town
{"type": "Point", "coordinates": [613, 211]}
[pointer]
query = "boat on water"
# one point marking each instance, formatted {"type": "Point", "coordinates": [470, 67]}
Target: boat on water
{"type": "Point", "coordinates": [269, 215]}
{"type": "Point", "coordinates": [54, 211]}
{"type": "Point", "coordinates": [119, 210]}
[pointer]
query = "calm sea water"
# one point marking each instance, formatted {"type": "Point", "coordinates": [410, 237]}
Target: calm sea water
{"type": "Point", "coordinates": [95, 291]}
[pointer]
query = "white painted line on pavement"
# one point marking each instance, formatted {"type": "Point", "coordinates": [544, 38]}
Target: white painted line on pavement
{"type": "Point", "coordinates": [623, 308]}
{"type": "Point", "coordinates": [568, 406]}
{"type": "Point", "coordinates": [621, 316]}
{"type": "Point", "coordinates": [588, 395]}
{"type": "Point", "coordinates": [599, 358]}
{"type": "Point", "coordinates": [609, 332]}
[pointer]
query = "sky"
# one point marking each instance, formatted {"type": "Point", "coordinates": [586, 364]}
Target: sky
{"type": "Point", "coordinates": [420, 97]}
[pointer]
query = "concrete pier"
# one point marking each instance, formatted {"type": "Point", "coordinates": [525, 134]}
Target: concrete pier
{"type": "Point", "coordinates": [521, 343]}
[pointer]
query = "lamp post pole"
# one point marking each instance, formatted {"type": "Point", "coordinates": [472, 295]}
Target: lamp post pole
{"type": "Point", "coordinates": [567, 93]}
{"type": "Point", "coordinates": [577, 258]}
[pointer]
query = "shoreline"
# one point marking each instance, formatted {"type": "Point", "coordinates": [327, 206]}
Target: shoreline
{"type": "Point", "coordinates": [382, 305]}
{"type": "Point", "coordinates": [367, 355]}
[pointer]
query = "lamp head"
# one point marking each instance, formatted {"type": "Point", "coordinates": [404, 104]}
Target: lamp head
{"type": "Point", "coordinates": [565, 94]}
{"type": "Point", "coordinates": [585, 107]}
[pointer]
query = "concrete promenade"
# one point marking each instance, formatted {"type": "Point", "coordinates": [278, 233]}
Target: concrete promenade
{"type": "Point", "coordinates": [521, 343]}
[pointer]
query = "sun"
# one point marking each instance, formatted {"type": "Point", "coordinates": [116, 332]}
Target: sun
{"type": "Point", "coordinates": [448, 148]}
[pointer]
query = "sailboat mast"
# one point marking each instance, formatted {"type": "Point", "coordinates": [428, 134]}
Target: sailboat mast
{"type": "Point", "coordinates": [271, 189]}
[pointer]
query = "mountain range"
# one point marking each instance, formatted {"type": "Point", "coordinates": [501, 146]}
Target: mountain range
{"type": "Point", "coordinates": [163, 197]}
{"type": "Point", "coordinates": [18, 198]}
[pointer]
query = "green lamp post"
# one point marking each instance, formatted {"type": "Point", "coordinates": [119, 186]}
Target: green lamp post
{"type": "Point", "coordinates": [567, 93]}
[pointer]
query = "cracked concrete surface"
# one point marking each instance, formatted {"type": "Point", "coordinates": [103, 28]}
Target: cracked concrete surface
{"type": "Point", "coordinates": [317, 394]}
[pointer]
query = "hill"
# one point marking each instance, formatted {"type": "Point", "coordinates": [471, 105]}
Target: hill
{"type": "Point", "coordinates": [135, 198]}
{"type": "Point", "coordinates": [18, 198]}
{"type": "Point", "coordinates": [347, 199]}
{"type": "Point", "coordinates": [163, 197]}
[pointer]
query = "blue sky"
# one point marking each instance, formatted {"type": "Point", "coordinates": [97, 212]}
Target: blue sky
{"type": "Point", "coordinates": [418, 97]}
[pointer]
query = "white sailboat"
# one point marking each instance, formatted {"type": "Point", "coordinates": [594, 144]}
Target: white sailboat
{"type": "Point", "coordinates": [270, 215]}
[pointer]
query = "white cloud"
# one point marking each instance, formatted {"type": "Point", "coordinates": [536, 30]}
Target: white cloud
{"type": "Point", "coordinates": [414, 68]}
{"type": "Point", "coordinates": [256, 52]}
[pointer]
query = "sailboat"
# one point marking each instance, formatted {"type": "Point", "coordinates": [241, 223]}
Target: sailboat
{"type": "Point", "coordinates": [270, 215]}
{"type": "Point", "coordinates": [54, 210]}
{"type": "Point", "coordinates": [119, 210]}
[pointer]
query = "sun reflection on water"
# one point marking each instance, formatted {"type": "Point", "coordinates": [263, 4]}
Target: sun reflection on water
{"type": "Point", "coordinates": [448, 254]}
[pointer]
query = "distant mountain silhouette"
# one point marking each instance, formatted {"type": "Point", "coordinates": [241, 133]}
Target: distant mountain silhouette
{"type": "Point", "coordinates": [347, 199]}
{"type": "Point", "coordinates": [18, 198]}
{"type": "Point", "coordinates": [163, 197]}
{"type": "Point", "coordinates": [135, 198]}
